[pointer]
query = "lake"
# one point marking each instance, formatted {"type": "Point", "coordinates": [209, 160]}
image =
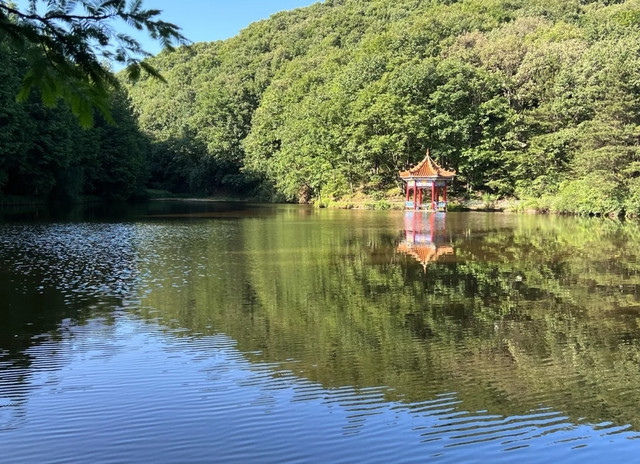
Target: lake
{"type": "Point", "coordinates": [216, 332]}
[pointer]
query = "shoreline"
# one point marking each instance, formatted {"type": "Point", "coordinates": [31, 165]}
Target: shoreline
{"type": "Point", "coordinates": [358, 202]}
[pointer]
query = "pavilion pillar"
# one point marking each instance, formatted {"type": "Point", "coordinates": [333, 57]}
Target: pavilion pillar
{"type": "Point", "coordinates": [415, 195]}
{"type": "Point", "coordinates": [419, 199]}
{"type": "Point", "coordinates": [433, 196]}
{"type": "Point", "coordinates": [445, 193]}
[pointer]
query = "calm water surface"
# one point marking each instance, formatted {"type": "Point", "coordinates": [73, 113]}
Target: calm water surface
{"type": "Point", "coordinates": [207, 332]}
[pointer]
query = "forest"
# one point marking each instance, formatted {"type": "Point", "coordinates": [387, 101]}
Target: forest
{"type": "Point", "coordinates": [533, 100]}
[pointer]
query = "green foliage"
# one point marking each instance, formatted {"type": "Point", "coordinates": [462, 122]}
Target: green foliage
{"type": "Point", "coordinates": [521, 98]}
{"type": "Point", "coordinates": [538, 100]}
{"type": "Point", "coordinates": [67, 42]}
{"type": "Point", "coordinates": [597, 193]}
{"type": "Point", "coordinates": [45, 154]}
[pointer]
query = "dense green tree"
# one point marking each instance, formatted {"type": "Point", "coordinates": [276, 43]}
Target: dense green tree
{"type": "Point", "coordinates": [534, 99]}
{"type": "Point", "coordinates": [68, 42]}
{"type": "Point", "coordinates": [45, 154]}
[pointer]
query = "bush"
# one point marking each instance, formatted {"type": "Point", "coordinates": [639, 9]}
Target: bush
{"type": "Point", "coordinates": [597, 194]}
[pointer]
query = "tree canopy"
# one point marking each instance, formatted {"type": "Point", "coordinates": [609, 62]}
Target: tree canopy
{"type": "Point", "coordinates": [536, 99]}
{"type": "Point", "coordinates": [533, 99]}
{"type": "Point", "coordinates": [45, 154]}
{"type": "Point", "coordinates": [69, 45]}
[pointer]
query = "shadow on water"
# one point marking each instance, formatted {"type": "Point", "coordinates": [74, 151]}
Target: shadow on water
{"type": "Point", "coordinates": [123, 211]}
{"type": "Point", "coordinates": [68, 212]}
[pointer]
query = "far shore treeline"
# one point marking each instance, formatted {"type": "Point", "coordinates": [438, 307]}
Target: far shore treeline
{"type": "Point", "coordinates": [535, 100]}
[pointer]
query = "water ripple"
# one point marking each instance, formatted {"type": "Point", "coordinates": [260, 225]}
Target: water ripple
{"type": "Point", "coordinates": [140, 364]}
{"type": "Point", "coordinates": [250, 412]}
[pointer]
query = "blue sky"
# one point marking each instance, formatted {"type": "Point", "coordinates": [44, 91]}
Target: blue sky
{"type": "Point", "coordinates": [207, 20]}
{"type": "Point", "coordinates": [203, 20]}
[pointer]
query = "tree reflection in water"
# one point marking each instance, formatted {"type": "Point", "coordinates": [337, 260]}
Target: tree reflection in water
{"type": "Point", "coordinates": [515, 313]}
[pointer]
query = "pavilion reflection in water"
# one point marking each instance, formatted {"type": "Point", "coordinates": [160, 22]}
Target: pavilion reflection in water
{"type": "Point", "coordinates": [425, 237]}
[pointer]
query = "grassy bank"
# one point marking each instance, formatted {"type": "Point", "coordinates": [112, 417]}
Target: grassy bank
{"type": "Point", "coordinates": [394, 201]}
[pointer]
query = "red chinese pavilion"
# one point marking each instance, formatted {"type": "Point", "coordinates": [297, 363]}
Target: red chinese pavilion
{"type": "Point", "coordinates": [427, 175]}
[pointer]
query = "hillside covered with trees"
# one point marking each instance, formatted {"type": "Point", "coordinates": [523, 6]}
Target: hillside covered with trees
{"type": "Point", "coordinates": [45, 154]}
{"type": "Point", "coordinates": [56, 77]}
{"type": "Point", "coordinates": [533, 99]}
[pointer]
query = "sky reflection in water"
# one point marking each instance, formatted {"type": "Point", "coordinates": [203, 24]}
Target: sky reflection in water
{"type": "Point", "coordinates": [293, 333]}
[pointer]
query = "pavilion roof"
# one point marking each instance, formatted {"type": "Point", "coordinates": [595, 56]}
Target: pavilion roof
{"type": "Point", "coordinates": [424, 253]}
{"type": "Point", "coordinates": [427, 168]}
